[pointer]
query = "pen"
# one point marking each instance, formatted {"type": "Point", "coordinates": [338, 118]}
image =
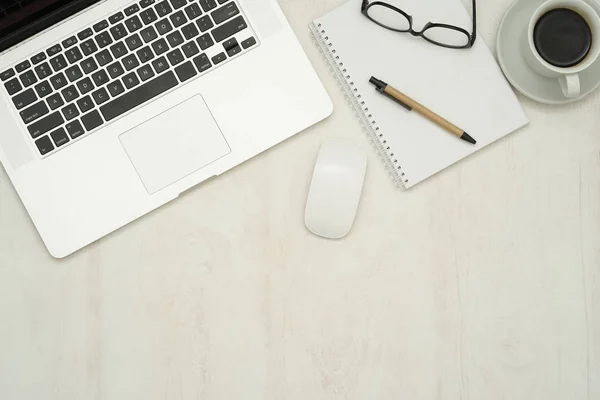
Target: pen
{"type": "Point", "coordinates": [411, 105]}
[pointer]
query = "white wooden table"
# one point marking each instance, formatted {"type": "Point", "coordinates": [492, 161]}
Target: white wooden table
{"type": "Point", "coordinates": [481, 283]}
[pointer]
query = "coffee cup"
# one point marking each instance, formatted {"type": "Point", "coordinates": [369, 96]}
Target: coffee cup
{"type": "Point", "coordinates": [561, 41]}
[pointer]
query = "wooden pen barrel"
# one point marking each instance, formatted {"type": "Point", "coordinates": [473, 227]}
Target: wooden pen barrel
{"type": "Point", "coordinates": [424, 111]}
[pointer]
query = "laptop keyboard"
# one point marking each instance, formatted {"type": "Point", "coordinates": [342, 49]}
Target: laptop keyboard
{"type": "Point", "coordinates": [122, 62]}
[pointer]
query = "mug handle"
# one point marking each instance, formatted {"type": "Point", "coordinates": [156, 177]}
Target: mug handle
{"type": "Point", "coordinates": [570, 85]}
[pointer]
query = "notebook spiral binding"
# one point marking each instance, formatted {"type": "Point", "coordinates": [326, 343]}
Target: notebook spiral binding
{"type": "Point", "coordinates": [368, 122]}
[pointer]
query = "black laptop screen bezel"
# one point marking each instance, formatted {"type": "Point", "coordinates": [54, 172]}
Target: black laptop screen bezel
{"type": "Point", "coordinates": [38, 21]}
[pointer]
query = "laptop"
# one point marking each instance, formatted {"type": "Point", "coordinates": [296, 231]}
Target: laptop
{"type": "Point", "coordinates": [110, 109]}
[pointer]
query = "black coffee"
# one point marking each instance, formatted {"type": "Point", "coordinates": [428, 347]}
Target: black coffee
{"type": "Point", "coordinates": [562, 37]}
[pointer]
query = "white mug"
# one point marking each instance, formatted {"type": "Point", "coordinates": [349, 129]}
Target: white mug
{"type": "Point", "coordinates": [568, 78]}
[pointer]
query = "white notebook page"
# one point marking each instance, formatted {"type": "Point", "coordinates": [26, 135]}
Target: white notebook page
{"type": "Point", "coordinates": [464, 86]}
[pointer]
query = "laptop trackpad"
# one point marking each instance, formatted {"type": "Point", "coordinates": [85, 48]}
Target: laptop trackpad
{"type": "Point", "coordinates": [174, 144]}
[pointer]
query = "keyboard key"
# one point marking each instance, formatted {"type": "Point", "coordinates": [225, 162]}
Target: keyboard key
{"type": "Point", "coordinates": [229, 29]}
{"type": "Point", "coordinates": [148, 16]}
{"type": "Point", "coordinates": [208, 5]}
{"type": "Point", "coordinates": [190, 49]}
{"type": "Point", "coordinates": [163, 8]}
{"type": "Point", "coordinates": [53, 50]}
{"type": "Point", "coordinates": [130, 62]}
{"type": "Point", "coordinates": [74, 129]}
{"type": "Point", "coordinates": [160, 46]}
{"type": "Point", "coordinates": [71, 111]}
{"type": "Point", "coordinates": [34, 112]}
{"type": "Point", "coordinates": [119, 50]}
{"type": "Point", "coordinates": [230, 43]}
{"type": "Point", "coordinates": [85, 34]}
{"type": "Point", "coordinates": [28, 78]}
{"type": "Point", "coordinates": [13, 86]}
{"type": "Point", "coordinates": [130, 80]}
{"type": "Point", "coordinates": [248, 43]}
{"type": "Point", "coordinates": [100, 96]}
{"type": "Point", "coordinates": [58, 81]}
{"type": "Point", "coordinates": [38, 58]}
{"type": "Point", "coordinates": [202, 62]}
{"type": "Point", "coordinates": [89, 65]}
{"type": "Point", "coordinates": [116, 18]}
{"type": "Point", "coordinates": [23, 66]}
{"type": "Point", "coordinates": [205, 23]}
{"type": "Point", "coordinates": [100, 77]}
{"type": "Point", "coordinates": [24, 99]}
{"type": "Point", "coordinates": [146, 3]}
{"type": "Point", "coordinates": [148, 34]}
{"type": "Point", "coordinates": [85, 85]}
{"type": "Point", "coordinates": [69, 42]}
{"type": "Point", "coordinates": [178, 19]}
{"type": "Point", "coordinates": [92, 120]}
{"type": "Point", "coordinates": [133, 42]}
{"type": "Point", "coordinates": [9, 73]}
{"type": "Point", "coordinates": [224, 13]}
{"type": "Point", "coordinates": [103, 57]}
{"type": "Point", "coordinates": [73, 55]}
{"type": "Point", "coordinates": [175, 57]}
{"type": "Point", "coordinates": [145, 72]}
{"type": "Point", "coordinates": [219, 58]}
{"type": "Point", "coordinates": [186, 71]}
{"type": "Point", "coordinates": [132, 9]}
{"type": "Point", "coordinates": [133, 23]}
{"type": "Point", "coordinates": [145, 54]}
{"type": "Point", "coordinates": [70, 93]}
{"type": "Point", "coordinates": [115, 88]}
{"type": "Point", "coordinates": [163, 26]}
{"type": "Point", "coordinates": [190, 31]}
{"type": "Point", "coordinates": [85, 104]}
{"type": "Point", "coordinates": [193, 11]}
{"type": "Point", "coordinates": [104, 39]}
{"type": "Point", "coordinates": [232, 47]}
{"type": "Point", "coordinates": [100, 26]}
{"type": "Point", "coordinates": [175, 39]}
{"type": "Point", "coordinates": [55, 101]}
{"type": "Point", "coordinates": [88, 47]}
{"type": "Point", "coordinates": [115, 70]}
{"type": "Point", "coordinates": [118, 32]}
{"type": "Point", "coordinates": [44, 145]}
{"type": "Point", "coordinates": [58, 62]}
{"type": "Point", "coordinates": [178, 3]}
{"type": "Point", "coordinates": [160, 65]}
{"type": "Point", "coordinates": [43, 89]}
{"type": "Point", "coordinates": [59, 137]}
{"type": "Point", "coordinates": [73, 73]}
{"type": "Point", "coordinates": [139, 96]}
{"type": "Point", "coordinates": [43, 70]}
{"type": "Point", "coordinates": [45, 124]}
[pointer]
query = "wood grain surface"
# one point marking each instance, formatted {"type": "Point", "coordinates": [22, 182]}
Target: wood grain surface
{"type": "Point", "coordinates": [481, 283]}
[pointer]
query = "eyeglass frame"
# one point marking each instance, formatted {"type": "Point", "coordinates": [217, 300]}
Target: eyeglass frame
{"type": "Point", "coordinates": [472, 36]}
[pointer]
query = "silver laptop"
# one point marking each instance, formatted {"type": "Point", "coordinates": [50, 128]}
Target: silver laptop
{"type": "Point", "coordinates": [110, 109]}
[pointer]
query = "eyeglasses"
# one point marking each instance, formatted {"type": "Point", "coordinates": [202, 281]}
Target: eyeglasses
{"type": "Point", "coordinates": [394, 19]}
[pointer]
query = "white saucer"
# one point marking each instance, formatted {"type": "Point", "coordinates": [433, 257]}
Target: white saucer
{"type": "Point", "coordinates": [519, 74]}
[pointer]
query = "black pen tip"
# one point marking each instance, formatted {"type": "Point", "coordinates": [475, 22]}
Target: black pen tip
{"type": "Point", "coordinates": [466, 137]}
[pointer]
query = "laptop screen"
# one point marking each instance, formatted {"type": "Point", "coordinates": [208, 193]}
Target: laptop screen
{"type": "Point", "coordinates": [21, 19]}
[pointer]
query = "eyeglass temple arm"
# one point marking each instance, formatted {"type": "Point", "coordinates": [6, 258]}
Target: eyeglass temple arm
{"type": "Point", "coordinates": [365, 3]}
{"type": "Point", "coordinates": [474, 35]}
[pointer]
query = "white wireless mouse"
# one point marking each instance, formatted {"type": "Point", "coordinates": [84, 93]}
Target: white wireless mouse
{"type": "Point", "coordinates": [335, 189]}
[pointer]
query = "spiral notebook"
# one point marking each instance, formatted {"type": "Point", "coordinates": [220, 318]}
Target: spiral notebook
{"type": "Point", "coordinates": [464, 86]}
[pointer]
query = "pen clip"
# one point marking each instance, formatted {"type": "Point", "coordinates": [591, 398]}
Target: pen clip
{"type": "Point", "coordinates": [382, 91]}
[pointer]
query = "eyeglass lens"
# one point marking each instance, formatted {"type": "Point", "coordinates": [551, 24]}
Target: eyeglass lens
{"type": "Point", "coordinates": [392, 19]}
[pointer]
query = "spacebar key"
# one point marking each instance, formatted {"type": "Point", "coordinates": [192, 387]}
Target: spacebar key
{"type": "Point", "coordinates": [138, 96]}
